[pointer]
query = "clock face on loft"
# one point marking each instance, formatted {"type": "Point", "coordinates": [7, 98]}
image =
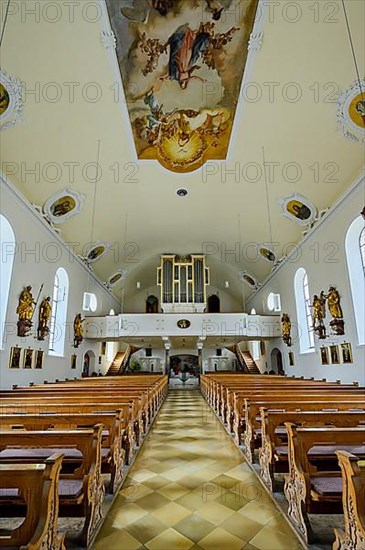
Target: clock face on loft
{"type": "Point", "coordinates": [182, 63]}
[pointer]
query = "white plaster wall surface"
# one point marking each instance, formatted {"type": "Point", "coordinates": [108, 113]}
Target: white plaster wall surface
{"type": "Point", "coordinates": [39, 254]}
{"type": "Point", "coordinates": [324, 258]}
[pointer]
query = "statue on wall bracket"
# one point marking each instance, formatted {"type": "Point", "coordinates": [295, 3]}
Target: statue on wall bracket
{"type": "Point", "coordinates": [286, 329]}
{"type": "Point", "coordinates": [25, 311]}
{"type": "Point", "coordinates": [333, 300]}
{"type": "Point", "coordinates": [319, 314]}
{"type": "Point", "coordinates": [44, 318]}
{"type": "Point", "coordinates": [78, 330]}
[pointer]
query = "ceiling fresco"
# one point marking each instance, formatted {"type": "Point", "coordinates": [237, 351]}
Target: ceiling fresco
{"type": "Point", "coordinates": [182, 63]}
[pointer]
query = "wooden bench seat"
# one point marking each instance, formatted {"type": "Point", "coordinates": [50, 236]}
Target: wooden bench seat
{"type": "Point", "coordinates": [298, 402]}
{"type": "Point", "coordinates": [115, 439]}
{"type": "Point", "coordinates": [306, 489]}
{"type": "Point", "coordinates": [81, 493]}
{"type": "Point", "coordinates": [353, 502]}
{"type": "Point", "coordinates": [35, 487]}
{"type": "Point", "coordinates": [274, 446]}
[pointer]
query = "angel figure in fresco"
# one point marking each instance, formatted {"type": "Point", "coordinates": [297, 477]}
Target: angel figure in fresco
{"type": "Point", "coordinates": [217, 7]}
{"type": "Point", "coordinates": [151, 126]}
{"type": "Point", "coordinates": [141, 9]}
{"type": "Point", "coordinates": [186, 48]}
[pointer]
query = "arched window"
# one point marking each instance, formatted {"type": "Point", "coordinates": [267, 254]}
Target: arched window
{"type": "Point", "coordinates": [255, 343]}
{"type": "Point", "coordinates": [304, 316]}
{"type": "Point", "coordinates": [57, 329]}
{"type": "Point", "coordinates": [90, 302]}
{"type": "Point", "coordinates": [7, 252]}
{"type": "Point", "coordinates": [362, 248]}
{"type": "Point", "coordinates": [274, 302]}
{"type": "Point", "coordinates": [355, 254]}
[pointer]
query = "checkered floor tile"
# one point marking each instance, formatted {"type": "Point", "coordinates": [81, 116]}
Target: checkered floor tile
{"type": "Point", "coordinates": [190, 488]}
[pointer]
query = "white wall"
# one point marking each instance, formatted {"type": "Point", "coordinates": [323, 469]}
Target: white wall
{"type": "Point", "coordinates": [323, 256]}
{"type": "Point", "coordinates": [39, 254]}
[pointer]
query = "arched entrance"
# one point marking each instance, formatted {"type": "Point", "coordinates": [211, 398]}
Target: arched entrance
{"type": "Point", "coordinates": [88, 365]}
{"type": "Point", "coordinates": [180, 364]}
{"type": "Point", "coordinates": [152, 304]}
{"type": "Point", "coordinates": [277, 361]}
{"type": "Point", "coordinates": [214, 304]}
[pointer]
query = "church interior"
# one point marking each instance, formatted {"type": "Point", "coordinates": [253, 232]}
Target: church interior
{"type": "Point", "coordinates": [182, 268]}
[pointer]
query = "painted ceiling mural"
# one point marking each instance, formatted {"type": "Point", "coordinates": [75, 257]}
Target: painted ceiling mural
{"type": "Point", "coordinates": [182, 63]}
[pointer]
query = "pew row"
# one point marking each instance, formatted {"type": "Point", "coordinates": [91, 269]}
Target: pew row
{"type": "Point", "coordinates": [309, 491]}
{"type": "Point", "coordinates": [274, 446]}
{"type": "Point", "coordinates": [35, 488]}
{"type": "Point", "coordinates": [115, 438]}
{"type": "Point", "coordinates": [353, 501]}
{"type": "Point", "coordinates": [81, 492]}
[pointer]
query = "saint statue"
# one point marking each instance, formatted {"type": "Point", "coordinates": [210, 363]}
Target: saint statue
{"type": "Point", "coordinates": [78, 330]}
{"type": "Point", "coordinates": [25, 311]}
{"type": "Point", "coordinates": [333, 299]}
{"type": "Point", "coordinates": [25, 307]}
{"type": "Point", "coordinates": [317, 310]}
{"type": "Point", "coordinates": [44, 318]}
{"type": "Point", "coordinates": [286, 328]}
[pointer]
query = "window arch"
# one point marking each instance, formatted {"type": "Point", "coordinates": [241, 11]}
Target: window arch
{"type": "Point", "coordinates": [90, 302]}
{"type": "Point", "coordinates": [304, 316]}
{"type": "Point", "coordinates": [255, 343]}
{"type": "Point", "coordinates": [7, 253]}
{"type": "Point", "coordinates": [362, 248]}
{"type": "Point", "coordinates": [274, 302]}
{"type": "Point", "coordinates": [355, 255]}
{"type": "Point", "coordinates": [57, 329]}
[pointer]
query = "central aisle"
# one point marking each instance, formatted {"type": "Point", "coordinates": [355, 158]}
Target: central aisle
{"type": "Point", "coordinates": [191, 488]}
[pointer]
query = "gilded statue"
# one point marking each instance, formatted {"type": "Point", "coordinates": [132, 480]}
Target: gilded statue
{"type": "Point", "coordinates": [286, 328]}
{"type": "Point", "coordinates": [78, 330]}
{"type": "Point", "coordinates": [319, 313]}
{"type": "Point", "coordinates": [333, 300]}
{"type": "Point", "coordinates": [44, 318]}
{"type": "Point", "coordinates": [25, 311]}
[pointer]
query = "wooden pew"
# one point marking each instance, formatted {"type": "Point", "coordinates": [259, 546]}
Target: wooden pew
{"type": "Point", "coordinates": [81, 492]}
{"type": "Point", "coordinates": [272, 434]}
{"type": "Point", "coordinates": [36, 488]}
{"type": "Point", "coordinates": [353, 501]}
{"type": "Point", "coordinates": [71, 408]}
{"type": "Point", "coordinates": [306, 489]}
{"type": "Point", "coordinates": [296, 401]}
{"type": "Point", "coordinates": [113, 439]}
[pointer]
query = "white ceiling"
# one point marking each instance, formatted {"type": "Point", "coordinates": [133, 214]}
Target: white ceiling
{"type": "Point", "coordinates": [142, 206]}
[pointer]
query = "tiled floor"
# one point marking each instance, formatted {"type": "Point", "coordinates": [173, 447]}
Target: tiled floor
{"type": "Point", "coordinates": [190, 488]}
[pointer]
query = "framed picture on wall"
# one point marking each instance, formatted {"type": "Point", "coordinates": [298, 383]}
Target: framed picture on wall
{"type": "Point", "coordinates": [73, 361]}
{"type": "Point", "coordinates": [324, 356]}
{"type": "Point", "coordinates": [335, 356]}
{"type": "Point", "coordinates": [15, 357]}
{"type": "Point", "coordinates": [291, 358]}
{"type": "Point", "coordinates": [39, 356]}
{"type": "Point", "coordinates": [346, 353]}
{"type": "Point", "coordinates": [28, 358]}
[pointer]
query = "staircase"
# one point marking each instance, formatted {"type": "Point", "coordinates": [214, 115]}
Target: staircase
{"type": "Point", "coordinates": [121, 362]}
{"type": "Point", "coordinates": [116, 364]}
{"type": "Point", "coordinates": [245, 362]}
{"type": "Point", "coordinates": [250, 363]}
